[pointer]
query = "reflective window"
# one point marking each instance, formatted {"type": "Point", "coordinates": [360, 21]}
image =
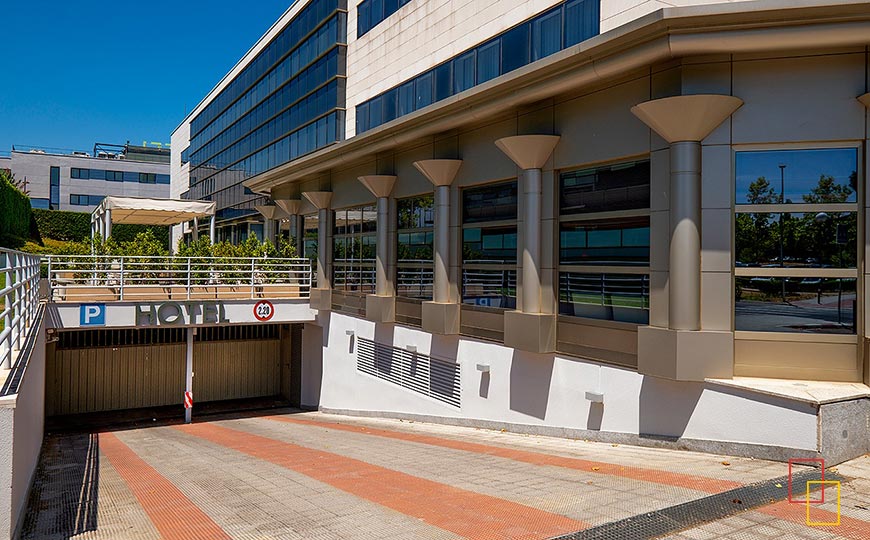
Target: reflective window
{"type": "Point", "coordinates": [353, 249]}
{"type": "Point", "coordinates": [414, 272]}
{"type": "Point", "coordinates": [370, 13]}
{"type": "Point", "coordinates": [147, 178]}
{"type": "Point", "coordinates": [795, 304]}
{"type": "Point", "coordinates": [773, 242]}
{"type": "Point", "coordinates": [489, 245]}
{"type": "Point", "coordinates": [81, 174]}
{"type": "Point", "coordinates": [613, 297]}
{"type": "Point", "coordinates": [566, 24]}
{"type": "Point", "coordinates": [589, 241]}
{"type": "Point", "coordinates": [624, 186]}
{"type": "Point", "coordinates": [822, 176]}
{"type": "Point", "coordinates": [609, 242]}
{"type": "Point", "coordinates": [54, 188]}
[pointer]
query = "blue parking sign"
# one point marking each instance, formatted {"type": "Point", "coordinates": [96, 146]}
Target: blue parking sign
{"type": "Point", "coordinates": [92, 315]}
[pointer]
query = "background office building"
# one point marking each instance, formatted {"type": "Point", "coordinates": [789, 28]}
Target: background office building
{"type": "Point", "coordinates": [591, 218]}
{"type": "Point", "coordinates": [77, 181]}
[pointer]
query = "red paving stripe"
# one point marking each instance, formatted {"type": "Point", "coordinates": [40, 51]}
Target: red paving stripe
{"type": "Point", "coordinates": [698, 483]}
{"type": "Point", "coordinates": [468, 514]}
{"type": "Point", "coordinates": [171, 512]}
{"type": "Point", "coordinates": [854, 529]}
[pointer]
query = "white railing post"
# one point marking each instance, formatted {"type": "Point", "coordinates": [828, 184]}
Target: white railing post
{"type": "Point", "coordinates": [253, 262]}
{"type": "Point", "coordinates": [188, 278]}
{"type": "Point", "coordinates": [121, 281]}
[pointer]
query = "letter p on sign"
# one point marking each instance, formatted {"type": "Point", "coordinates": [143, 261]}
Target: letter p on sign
{"type": "Point", "coordinates": [92, 315]}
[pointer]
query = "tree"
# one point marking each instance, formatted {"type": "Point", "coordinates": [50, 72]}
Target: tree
{"type": "Point", "coordinates": [755, 234]}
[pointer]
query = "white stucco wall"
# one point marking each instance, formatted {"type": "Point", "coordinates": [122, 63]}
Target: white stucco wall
{"type": "Point", "coordinates": [21, 423]}
{"type": "Point", "coordinates": [549, 390]}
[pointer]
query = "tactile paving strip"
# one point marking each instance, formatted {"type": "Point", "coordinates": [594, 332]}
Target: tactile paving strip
{"type": "Point", "coordinates": [700, 511]}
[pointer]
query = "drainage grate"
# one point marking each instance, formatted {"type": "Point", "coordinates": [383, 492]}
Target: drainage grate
{"type": "Point", "coordinates": [700, 511]}
{"type": "Point", "coordinates": [438, 379]}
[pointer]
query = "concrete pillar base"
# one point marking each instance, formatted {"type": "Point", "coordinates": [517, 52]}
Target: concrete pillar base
{"type": "Point", "coordinates": [531, 332]}
{"type": "Point", "coordinates": [441, 318]}
{"type": "Point", "coordinates": [381, 308]}
{"type": "Point", "coordinates": [685, 355]}
{"type": "Point", "coordinates": [321, 299]}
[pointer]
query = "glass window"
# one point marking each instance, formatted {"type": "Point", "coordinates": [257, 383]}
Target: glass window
{"type": "Point", "coordinates": [818, 176]}
{"type": "Point", "coordinates": [611, 297]}
{"type": "Point", "coordinates": [39, 203]}
{"type": "Point", "coordinates": [490, 203]}
{"type": "Point", "coordinates": [147, 178]}
{"type": "Point", "coordinates": [406, 99]}
{"type": "Point", "coordinates": [582, 20]}
{"type": "Point", "coordinates": [624, 186]}
{"type": "Point", "coordinates": [488, 61]}
{"type": "Point", "coordinates": [354, 250]}
{"type": "Point", "coordinates": [547, 34]}
{"type": "Point", "coordinates": [515, 48]}
{"type": "Point", "coordinates": [54, 188]}
{"type": "Point", "coordinates": [442, 81]}
{"type": "Point", "coordinates": [414, 270]}
{"type": "Point", "coordinates": [423, 87]}
{"type": "Point", "coordinates": [97, 174]}
{"type": "Point", "coordinates": [772, 241]}
{"type": "Point", "coordinates": [610, 242]}
{"type": "Point", "coordinates": [80, 174]}
{"type": "Point", "coordinates": [463, 72]}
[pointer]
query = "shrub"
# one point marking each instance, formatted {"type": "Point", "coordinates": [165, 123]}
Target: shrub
{"type": "Point", "coordinates": [14, 214]}
{"type": "Point", "coordinates": [76, 227]}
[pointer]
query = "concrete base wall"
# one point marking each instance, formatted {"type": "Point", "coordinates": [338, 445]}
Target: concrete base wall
{"type": "Point", "coordinates": [546, 394]}
{"type": "Point", "coordinates": [22, 419]}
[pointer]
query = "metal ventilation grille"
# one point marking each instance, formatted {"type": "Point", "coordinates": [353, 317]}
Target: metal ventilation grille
{"type": "Point", "coordinates": [438, 379]}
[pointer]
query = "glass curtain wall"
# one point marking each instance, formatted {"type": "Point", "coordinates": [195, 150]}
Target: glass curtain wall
{"type": "Point", "coordinates": [489, 245]}
{"type": "Point", "coordinates": [560, 27]}
{"type": "Point", "coordinates": [796, 240]}
{"type": "Point", "coordinates": [415, 263]}
{"type": "Point", "coordinates": [604, 242]}
{"type": "Point", "coordinates": [353, 249]}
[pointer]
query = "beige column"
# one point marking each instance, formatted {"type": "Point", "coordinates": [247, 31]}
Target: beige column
{"type": "Point", "coordinates": [864, 99]}
{"type": "Point", "coordinates": [684, 351]}
{"type": "Point", "coordinates": [441, 315]}
{"type": "Point", "coordinates": [381, 306]}
{"type": "Point", "coordinates": [529, 328]}
{"type": "Point", "coordinates": [321, 296]}
{"type": "Point", "coordinates": [271, 215]}
{"type": "Point", "coordinates": [291, 207]}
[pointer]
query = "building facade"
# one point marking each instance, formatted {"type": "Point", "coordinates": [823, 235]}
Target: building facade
{"type": "Point", "coordinates": [595, 219]}
{"type": "Point", "coordinates": [78, 181]}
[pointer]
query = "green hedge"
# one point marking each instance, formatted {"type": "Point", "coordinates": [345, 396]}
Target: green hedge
{"type": "Point", "coordinates": [14, 214]}
{"type": "Point", "coordinates": [76, 227]}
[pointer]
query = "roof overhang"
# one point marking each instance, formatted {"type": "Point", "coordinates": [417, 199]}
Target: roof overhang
{"type": "Point", "coordinates": [146, 211]}
{"type": "Point", "coordinates": [666, 34]}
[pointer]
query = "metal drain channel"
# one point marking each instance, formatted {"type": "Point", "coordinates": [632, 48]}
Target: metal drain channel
{"type": "Point", "coordinates": [700, 511]}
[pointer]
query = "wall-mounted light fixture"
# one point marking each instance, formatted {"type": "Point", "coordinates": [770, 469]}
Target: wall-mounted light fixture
{"type": "Point", "coordinates": [483, 368]}
{"type": "Point", "coordinates": [595, 397]}
{"type": "Point", "coordinates": [349, 332]}
{"type": "Point", "coordinates": [411, 348]}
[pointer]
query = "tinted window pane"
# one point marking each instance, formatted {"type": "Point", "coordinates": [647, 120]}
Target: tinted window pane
{"type": "Point", "coordinates": [488, 61]}
{"type": "Point", "coordinates": [490, 288]}
{"type": "Point", "coordinates": [442, 81]}
{"type": "Point", "coordinates": [406, 99]}
{"type": "Point", "coordinates": [463, 72]}
{"type": "Point", "coordinates": [611, 297]}
{"type": "Point", "coordinates": [362, 118]}
{"type": "Point", "coordinates": [490, 203]}
{"type": "Point", "coordinates": [616, 187]}
{"type": "Point", "coordinates": [581, 20]}
{"type": "Point", "coordinates": [547, 34]}
{"type": "Point", "coordinates": [612, 242]}
{"type": "Point", "coordinates": [515, 48]}
{"type": "Point", "coordinates": [493, 245]}
{"type": "Point", "coordinates": [423, 86]}
{"type": "Point", "coordinates": [809, 240]}
{"type": "Point", "coordinates": [819, 176]}
{"type": "Point", "coordinates": [792, 304]}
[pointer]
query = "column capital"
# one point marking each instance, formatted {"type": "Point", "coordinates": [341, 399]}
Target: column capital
{"type": "Point", "coordinates": [270, 212]}
{"type": "Point", "coordinates": [320, 199]}
{"type": "Point", "coordinates": [440, 172]}
{"type": "Point", "coordinates": [864, 99]}
{"type": "Point", "coordinates": [291, 206]}
{"type": "Point", "coordinates": [381, 185]}
{"type": "Point", "coordinates": [686, 118]}
{"type": "Point", "coordinates": [528, 151]}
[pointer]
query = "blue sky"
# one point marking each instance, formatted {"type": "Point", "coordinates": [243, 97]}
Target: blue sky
{"type": "Point", "coordinates": [81, 72]}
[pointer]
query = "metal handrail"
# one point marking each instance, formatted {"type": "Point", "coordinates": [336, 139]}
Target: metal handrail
{"type": "Point", "coordinates": [19, 293]}
{"type": "Point", "coordinates": [82, 278]}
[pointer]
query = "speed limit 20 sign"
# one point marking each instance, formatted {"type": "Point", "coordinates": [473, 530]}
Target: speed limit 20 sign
{"type": "Point", "coordinates": [264, 310]}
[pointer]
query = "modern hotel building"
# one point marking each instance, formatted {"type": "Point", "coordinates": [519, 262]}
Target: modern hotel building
{"type": "Point", "coordinates": [616, 219]}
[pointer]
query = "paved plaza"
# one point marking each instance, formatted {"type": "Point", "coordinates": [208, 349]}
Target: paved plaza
{"type": "Point", "coordinates": [288, 475]}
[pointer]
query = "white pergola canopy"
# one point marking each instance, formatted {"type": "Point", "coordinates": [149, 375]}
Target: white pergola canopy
{"type": "Point", "coordinates": [146, 211]}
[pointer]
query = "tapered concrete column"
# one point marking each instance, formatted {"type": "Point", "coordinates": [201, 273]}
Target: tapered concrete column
{"type": "Point", "coordinates": [211, 229]}
{"type": "Point", "coordinates": [441, 316]}
{"type": "Point", "coordinates": [271, 215]}
{"type": "Point", "coordinates": [195, 228]}
{"type": "Point", "coordinates": [321, 297]}
{"type": "Point", "coordinates": [291, 207]}
{"type": "Point", "coordinates": [529, 329]}
{"type": "Point", "coordinates": [683, 351]}
{"type": "Point", "coordinates": [381, 307]}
